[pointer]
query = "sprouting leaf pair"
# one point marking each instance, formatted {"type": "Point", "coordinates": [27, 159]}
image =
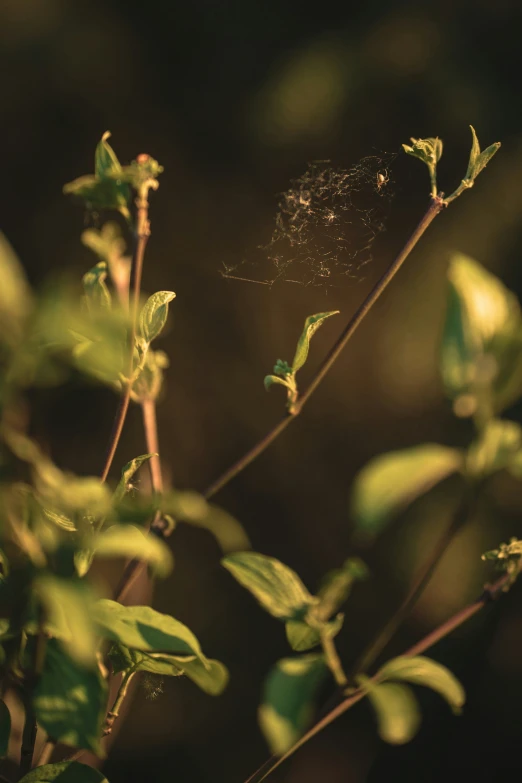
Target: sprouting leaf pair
{"type": "Point", "coordinates": [429, 151]}
{"type": "Point", "coordinates": [284, 374]}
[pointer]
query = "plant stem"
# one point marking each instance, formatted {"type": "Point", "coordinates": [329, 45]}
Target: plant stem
{"type": "Point", "coordinates": [142, 237]}
{"type": "Point", "coordinates": [120, 698]}
{"type": "Point", "coordinates": [436, 205]}
{"type": "Point", "coordinates": [150, 426]}
{"type": "Point", "coordinates": [463, 513]}
{"type": "Point", "coordinates": [333, 661]}
{"type": "Point", "coordinates": [30, 726]}
{"type": "Point", "coordinates": [490, 593]}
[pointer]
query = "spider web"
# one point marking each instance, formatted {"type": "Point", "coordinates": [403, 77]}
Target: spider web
{"type": "Point", "coordinates": [325, 226]}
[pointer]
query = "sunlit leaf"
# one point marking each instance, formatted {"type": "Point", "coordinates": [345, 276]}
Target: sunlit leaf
{"type": "Point", "coordinates": [302, 637]}
{"type": "Point", "coordinates": [269, 381]}
{"type": "Point", "coordinates": [5, 728]}
{"type": "Point", "coordinates": [424, 671]}
{"type": "Point", "coordinates": [227, 531]}
{"type": "Point", "coordinates": [142, 628]}
{"type": "Point", "coordinates": [153, 316]}
{"type": "Point", "coordinates": [70, 700]}
{"type": "Point", "coordinates": [478, 160]}
{"type": "Point", "coordinates": [287, 706]}
{"type": "Point", "coordinates": [312, 324]}
{"type": "Point", "coordinates": [96, 292]}
{"type": "Point", "coordinates": [106, 164]}
{"type": "Point", "coordinates": [278, 589]}
{"type": "Point", "coordinates": [396, 708]}
{"type": "Point", "coordinates": [68, 606]}
{"type": "Point", "coordinates": [390, 482]}
{"type": "Point", "coordinates": [496, 447]}
{"type": "Point", "coordinates": [15, 295]}
{"type": "Point", "coordinates": [64, 772]}
{"type": "Point", "coordinates": [130, 542]}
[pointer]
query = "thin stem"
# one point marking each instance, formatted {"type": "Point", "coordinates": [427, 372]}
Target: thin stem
{"type": "Point", "coordinates": [436, 205]}
{"type": "Point", "coordinates": [333, 661]}
{"type": "Point", "coordinates": [150, 426]}
{"type": "Point", "coordinates": [46, 752]}
{"type": "Point", "coordinates": [120, 698]}
{"type": "Point", "coordinates": [490, 593]}
{"type": "Point", "coordinates": [463, 513]}
{"type": "Point", "coordinates": [142, 237]}
{"type": "Point", "coordinates": [30, 726]}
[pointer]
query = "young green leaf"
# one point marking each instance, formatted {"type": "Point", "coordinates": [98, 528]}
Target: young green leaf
{"type": "Point", "coordinates": [106, 164]}
{"type": "Point", "coordinates": [68, 606]}
{"type": "Point", "coordinates": [277, 588]}
{"type": "Point", "coordinates": [70, 700]}
{"type": "Point", "coordinates": [209, 675]}
{"type": "Point", "coordinates": [96, 292]}
{"type": "Point", "coordinates": [337, 586]}
{"type": "Point", "coordinates": [153, 316]}
{"type": "Point", "coordinates": [302, 637]}
{"type": "Point", "coordinates": [496, 447]}
{"type": "Point", "coordinates": [130, 542]}
{"type": "Point", "coordinates": [424, 671]}
{"type": "Point", "coordinates": [390, 482]}
{"type": "Point", "coordinates": [288, 699]}
{"type": "Point", "coordinates": [429, 151]}
{"type": "Point", "coordinates": [479, 160]}
{"type": "Point", "coordinates": [396, 708]}
{"type": "Point", "coordinates": [150, 380]}
{"type": "Point", "coordinates": [269, 381]}
{"type": "Point", "coordinates": [227, 531]}
{"type": "Point", "coordinates": [312, 324]}
{"type": "Point", "coordinates": [142, 628]}
{"type": "Point", "coordinates": [127, 473]}
{"type": "Point", "coordinates": [5, 728]}
{"type": "Point", "coordinates": [64, 772]}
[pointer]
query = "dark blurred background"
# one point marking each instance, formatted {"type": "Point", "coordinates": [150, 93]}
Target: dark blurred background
{"type": "Point", "coordinates": [235, 99]}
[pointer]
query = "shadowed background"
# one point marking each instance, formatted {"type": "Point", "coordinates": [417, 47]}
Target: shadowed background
{"type": "Point", "coordinates": [235, 99]}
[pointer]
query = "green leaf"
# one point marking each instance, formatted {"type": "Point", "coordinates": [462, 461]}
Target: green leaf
{"type": "Point", "coordinates": [390, 482]}
{"type": "Point", "coordinates": [150, 380]}
{"type": "Point", "coordinates": [99, 193]}
{"type": "Point", "coordinates": [337, 586]}
{"type": "Point", "coordinates": [106, 164]}
{"type": "Point", "coordinates": [428, 150]}
{"type": "Point", "coordinates": [478, 160]}
{"type": "Point", "coordinates": [64, 772]}
{"type": "Point", "coordinates": [302, 637]}
{"type": "Point", "coordinates": [126, 475]}
{"type": "Point", "coordinates": [227, 531]}
{"type": "Point", "coordinates": [481, 351]}
{"type": "Point", "coordinates": [287, 704]}
{"type": "Point", "coordinates": [15, 295]}
{"type": "Point", "coordinates": [130, 542]}
{"type": "Point", "coordinates": [5, 728]}
{"type": "Point", "coordinates": [96, 292]}
{"type": "Point", "coordinates": [277, 588]}
{"type": "Point", "coordinates": [397, 710]}
{"type": "Point", "coordinates": [424, 671]}
{"type": "Point", "coordinates": [312, 324]}
{"type": "Point", "coordinates": [497, 446]}
{"type": "Point", "coordinates": [68, 605]}
{"type": "Point", "coordinates": [142, 628]}
{"type": "Point", "coordinates": [153, 316]}
{"type": "Point", "coordinates": [70, 701]}
{"type": "Point", "coordinates": [210, 675]}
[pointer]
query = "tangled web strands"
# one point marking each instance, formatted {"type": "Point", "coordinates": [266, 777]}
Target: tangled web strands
{"type": "Point", "coordinates": [327, 223]}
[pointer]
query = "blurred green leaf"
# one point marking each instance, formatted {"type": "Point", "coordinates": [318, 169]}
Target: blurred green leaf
{"type": "Point", "coordinates": [269, 381]}
{"type": "Point", "coordinates": [15, 295]}
{"type": "Point", "coordinates": [424, 671]}
{"type": "Point", "coordinates": [396, 708]}
{"type": "Point", "coordinates": [127, 473]}
{"type": "Point", "coordinates": [67, 610]}
{"type": "Point", "coordinates": [142, 628]}
{"type": "Point", "coordinates": [302, 636]}
{"type": "Point", "coordinates": [496, 447]}
{"type": "Point", "coordinates": [150, 380]}
{"type": "Point", "coordinates": [153, 316]}
{"type": "Point", "coordinates": [130, 542]}
{"type": "Point", "coordinates": [277, 588]}
{"type": "Point", "coordinates": [70, 700]}
{"type": "Point", "coordinates": [312, 324]}
{"type": "Point", "coordinates": [96, 292]}
{"type": "Point", "coordinates": [5, 728]}
{"type": "Point", "coordinates": [287, 706]}
{"type": "Point", "coordinates": [64, 772]}
{"type": "Point", "coordinates": [337, 585]}
{"type": "Point", "coordinates": [390, 482]}
{"type": "Point", "coordinates": [481, 351]}
{"type": "Point", "coordinates": [106, 164]}
{"type": "Point", "coordinates": [227, 531]}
